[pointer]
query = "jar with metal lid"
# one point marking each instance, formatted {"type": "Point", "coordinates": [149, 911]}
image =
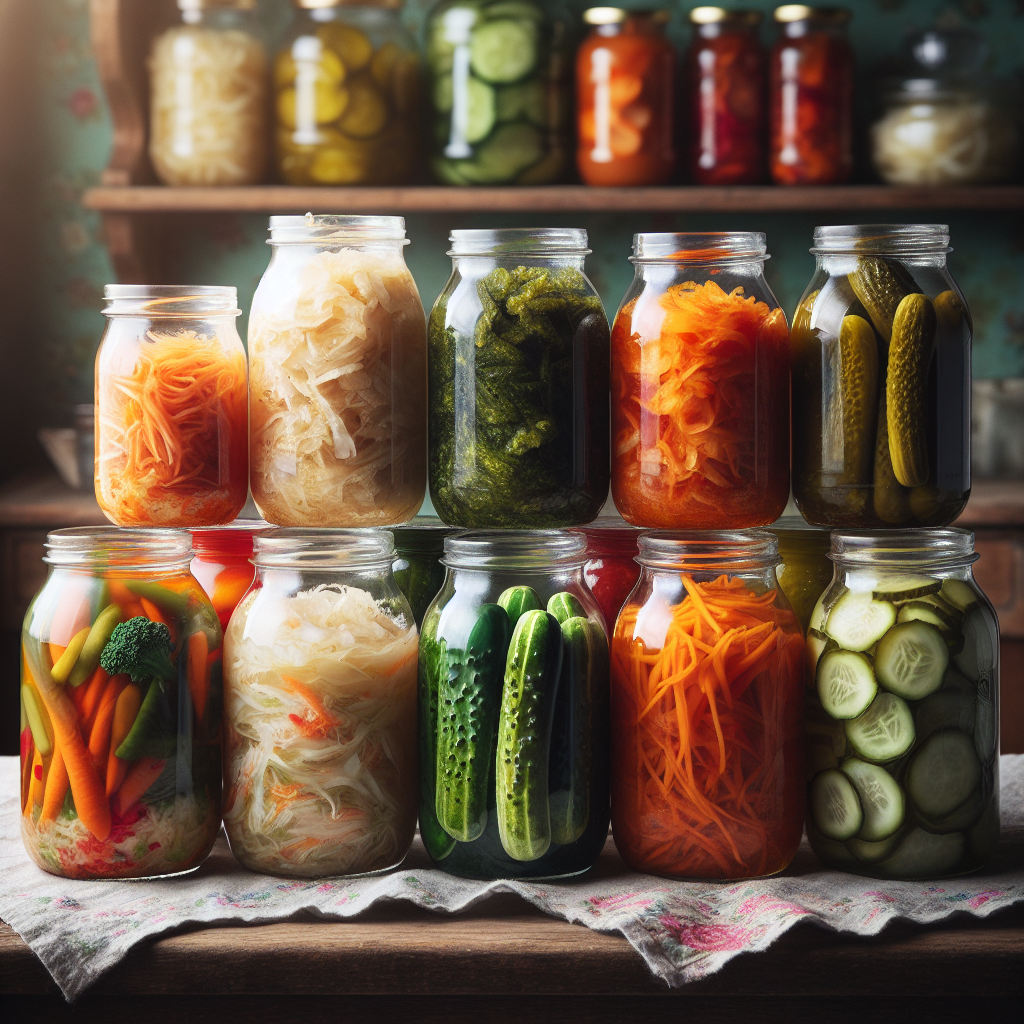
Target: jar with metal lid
{"type": "Point", "coordinates": [209, 81]}
{"type": "Point", "coordinates": [612, 570]}
{"type": "Point", "coordinates": [804, 570]}
{"type": "Point", "coordinates": [903, 725]}
{"type": "Point", "coordinates": [172, 417]}
{"type": "Point", "coordinates": [707, 686]}
{"type": "Point", "coordinates": [417, 566]}
{"type": "Point", "coordinates": [518, 382]}
{"type": "Point", "coordinates": [881, 380]}
{"type": "Point", "coordinates": [337, 398]}
{"type": "Point", "coordinates": [347, 86]}
{"type": "Point", "coordinates": [513, 709]}
{"type": "Point", "coordinates": [120, 708]}
{"type": "Point", "coordinates": [223, 564]}
{"type": "Point", "coordinates": [320, 708]}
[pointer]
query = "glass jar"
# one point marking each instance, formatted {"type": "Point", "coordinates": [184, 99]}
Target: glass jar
{"type": "Point", "coordinates": [514, 710]}
{"type": "Point", "coordinates": [804, 570]}
{"type": "Point", "coordinates": [337, 399]}
{"type": "Point", "coordinates": [320, 708]}
{"type": "Point", "coordinates": [612, 570]}
{"type": "Point", "coordinates": [881, 380]}
{"type": "Point", "coordinates": [700, 386]}
{"type": "Point", "coordinates": [625, 72]}
{"type": "Point", "coordinates": [208, 96]}
{"type": "Point", "coordinates": [498, 73]}
{"type": "Point", "coordinates": [725, 75]}
{"type": "Point", "coordinates": [223, 564]}
{"type": "Point", "coordinates": [172, 417]}
{"type": "Point", "coordinates": [120, 708]}
{"type": "Point", "coordinates": [811, 88]}
{"type": "Point", "coordinates": [903, 720]}
{"type": "Point", "coordinates": [417, 565]}
{"type": "Point", "coordinates": [347, 87]}
{"type": "Point", "coordinates": [707, 711]}
{"type": "Point", "coordinates": [518, 382]}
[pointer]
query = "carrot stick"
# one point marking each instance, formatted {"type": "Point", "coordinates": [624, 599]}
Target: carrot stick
{"type": "Point", "coordinates": [152, 612]}
{"type": "Point", "coordinates": [99, 735]}
{"type": "Point", "coordinates": [91, 699]}
{"type": "Point", "coordinates": [125, 711]}
{"type": "Point", "coordinates": [56, 787]}
{"type": "Point", "coordinates": [141, 775]}
{"type": "Point", "coordinates": [198, 671]}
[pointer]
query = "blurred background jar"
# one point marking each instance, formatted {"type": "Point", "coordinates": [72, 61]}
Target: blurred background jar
{"type": "Point", "coordinates": [997, 428]}
{"type": "Point", "coordinates": [208, 85]}
{"type": "Point", "coordinates": [624, 89]}
{"type": "Point", "coordinates": [811, 97]}
{"type": "Point", "coordinates": [346, 91]}
{"type": "Point", "coordinates": [726, 83]}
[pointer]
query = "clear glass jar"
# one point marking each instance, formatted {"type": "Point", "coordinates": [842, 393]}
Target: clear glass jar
{"type": "Point", "coordinates": [120, 708]}
{"type": "Point", "coordinates": [881, 380]}
{"type": "Point", "coordinates": [514, 709]}
{"type": "Point", "coordinates": [707, 711]}
{"type": "Point", "coordinates": [209, 81]}
{"type": "Point", "coordinates": [337, 399]}
{"type": "Point", "coordinates": [223, 564]}
{"type": "Point", "coordinates": [172, 417]}
{"type": "Point", "coordinates": [903, 719]}
{"type": "Point", "coordinates": [804, 570]}
{"type": "Point", "coordinates": [320, 708]}
{"type": "Point", "coordinates": [498, 80]}
{"type": "Point", "coordinates": [518, 382]}
{"type": "Point", "coordinates": [810, 74]}
{"type": "Point", "coordinates": [417, 565]}
{"type": "Point", "coordinates": [725, 75]}
{"type": "Point", "coordinates": [700, 386]}
{"type": "Point", "coordinates": [625, 81]}
{"type": "Point", "coordinates": [612, 570]}
{"type": "Point", "coordinates": [347, 95]}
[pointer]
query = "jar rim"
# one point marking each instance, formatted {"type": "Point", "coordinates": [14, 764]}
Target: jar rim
{"type": "Point", "coordinates": [702, 550]}
{"type": "Point", "coordinates": [335, 229]}
{"type": "Point", "coordinates": [881, 239]}
{"type": "Point", "coordinates": [699, 248]}
{"type": "Point", "coordinates": [183, 301]}
{"type": "Point", "coordinates": [946, 548]}
{"type": "Point", "coordinates": [724, 16]}
{"type": "Point", "coordinates": [515, 549]}
{"type": "Point", "coordinates": [117, 547]}
{"type": "Point", "coordinates": [518, 242]}
{"type": "Point", "coordinates": [297, 547]}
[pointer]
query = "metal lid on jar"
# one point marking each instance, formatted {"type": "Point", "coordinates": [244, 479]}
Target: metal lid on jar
{"type": "Point", "coordinates": [617, 15]}
{"type": "Point", "coordinates": [721, 15]}
{"type": "Point", "coordinates": [789, 13]}
{"type": "Point", "coordinates": [299, 548]}
{"type": "Point", "coordinates": [539, 550]}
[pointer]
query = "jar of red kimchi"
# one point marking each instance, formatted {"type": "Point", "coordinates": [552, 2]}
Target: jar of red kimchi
{"type": "Point", "coordinates": [700, 386]}
{"type": "Point", "coordinates": [811, 89]}
{"type": "Point", "coordinates": [611, 570]}
{"type": "Point", "coordinates": [725, 88]}
{"type": "Point", "coordinates": [624, 87]}
{"type": "Point", "coordinates": [223, 564]}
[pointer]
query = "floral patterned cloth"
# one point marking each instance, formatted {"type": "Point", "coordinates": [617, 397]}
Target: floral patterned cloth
{"type": "Point", "coordinates": [683, 930]}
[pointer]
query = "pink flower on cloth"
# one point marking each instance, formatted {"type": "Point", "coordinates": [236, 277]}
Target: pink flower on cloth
{"type": "Point", "coordinates": [711, 938]}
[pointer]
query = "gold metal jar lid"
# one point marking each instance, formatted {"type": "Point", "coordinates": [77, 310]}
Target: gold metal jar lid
{"type": "Point", "coordinates": [720, 15]}
{"type": "Point", "coordinates": [789, 13]}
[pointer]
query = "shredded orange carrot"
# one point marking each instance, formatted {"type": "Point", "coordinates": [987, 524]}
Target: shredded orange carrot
{"type": "Point", "coordinates": [319, 721]}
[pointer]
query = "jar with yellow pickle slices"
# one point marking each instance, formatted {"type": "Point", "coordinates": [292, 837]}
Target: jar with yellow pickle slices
{"type": "Point", "coordinates": [346, 86]}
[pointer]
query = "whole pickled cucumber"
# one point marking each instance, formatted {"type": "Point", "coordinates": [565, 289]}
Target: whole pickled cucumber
{"type": "Point", "coordinates": [949, 311]}
{"type": "Point", "coordinates": [880, 285]}
{"type": "Point", "coordinates": [891, 498]}
{"type": "Point", "coordinates": [925, 502]}
{"type": "Point", "coordinates": [858, 394]}
{"type": "Point", "coordinates": [910, 350]}
{"type": "Point", "coordinates": [802, 317]}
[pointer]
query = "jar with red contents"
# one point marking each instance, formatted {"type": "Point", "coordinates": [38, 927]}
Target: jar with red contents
{"type": "Point", "coordinates": [624, 87]}
{"type": "Point", "coordinates": [222, 564]}
{"type": "Point", "coordinates": [611, 570]}
{"type": "Point", "coordinates": [811, 90]}
{"type": "Point", "coordinates": [725, 78]}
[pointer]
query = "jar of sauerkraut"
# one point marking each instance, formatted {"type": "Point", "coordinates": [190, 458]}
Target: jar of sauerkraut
{"type": "Point", "coordinates": [320, 708]}
{"type": "Point", "coordinates": [337, 349]}
{"type": "Point", "coordinates": [208, 86]}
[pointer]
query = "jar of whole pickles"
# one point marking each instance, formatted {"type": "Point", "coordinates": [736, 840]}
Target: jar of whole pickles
{"type": "Point", "coordinates": [498, 73]}
{"type": "Point", "coordinates": [903, 721]}
{"type": "Point", "coordinates": [120, 708]}
{"type": "Point", "coordinates": [513, 709]}
{"type": "Point", "coordinates": [346, 95]}
{"type": "Point", "coordinates": [804, 569]}
{"type": "Point", "coordinates": [700, 386]}
{"type": "Point", "coordinates": [223, 564]}
{"type": "Point", "coordinates": [518, 382]}
{"type": "Point", "coordinates": [881, 380]}
{"type": "Point", "coordinates": [337, 397]}
{"type": "Point", "coordinates": [612, 570]}
{"type": "Point", "coordinates": [707, 710]}
{"type": "Point", "coordinates": [320, 708]}
{"type": "Point", "coordinates": [417, 566]}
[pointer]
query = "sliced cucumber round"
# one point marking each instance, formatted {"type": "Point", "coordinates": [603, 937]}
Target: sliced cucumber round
{"type": "Point", "coordinates": [835, 806]}
{"type": "Point", "coordinates": [985, 729]}
{"type": "Point", "coordinates": [905, 588]}
{"type": "Point", "coordinates": [503, 50]}
{"type": "Point", "coordinates": [924, 855]}
{"type": "Point", "coordinates": [960, 819]}
{"type": "Point", "coordinates": [817, 645]}
{"type": "Point", "coordinates": [920, 611]}
{"type": "Point", "coordinates": [830, 851]}
{"type": "Point", "coordinates": [872, 853]}
{"type": "Point", "coordinates": [911, 659]}
{"type": "Point", "coordinates": [816, 623]}
{"type": "Point", "coordinates": [881, 799]}
{"type": "Point", "coordinates": [949, 708]}
{"type": "Point", "coordinates": [977, 656]}
{"type": "Point", "coordinates": [845, 682]}
{"type": "Point", "coordinates": [943, 773]}
{"type": "Point", "coordinates": [951, 615]}
{"type": "Point", "coordinates": [858, 620]}
{"type": "Point", "coordinates": [885, 731]}
{"type": "Point", "coordinates": [959, 594]}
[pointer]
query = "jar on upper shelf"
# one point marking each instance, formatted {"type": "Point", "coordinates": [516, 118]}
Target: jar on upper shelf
{"type": "Point", "coordinates": [347, 85]}
{"type": "Point", "coordinates": [209, 80]}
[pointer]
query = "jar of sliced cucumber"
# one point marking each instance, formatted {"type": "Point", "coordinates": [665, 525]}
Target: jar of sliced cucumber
{"type": "Point", "coordinates": [903, 716]}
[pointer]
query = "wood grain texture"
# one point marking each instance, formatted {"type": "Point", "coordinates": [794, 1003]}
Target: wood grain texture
{"type": "Point", "coordinates": [40, 499]}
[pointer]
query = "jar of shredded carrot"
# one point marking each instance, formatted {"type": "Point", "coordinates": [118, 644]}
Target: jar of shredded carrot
{"type": "Point", "coordinates": [172, 416]}
{"type": "Point", "coordinates": [700, 386]}
{"type": "Point", "coordinates": [707, 700]}
{"type": "Point", "coordinates": [223, 563]}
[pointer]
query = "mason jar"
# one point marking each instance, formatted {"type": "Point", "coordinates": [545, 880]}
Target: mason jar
{"type": "Point", "coordinates": [881, 380]}
{"type": "Point", "coordinates": [700, 386]}
{"type": "Point", "coordinates": [518, 382]}
{"type": "Point", "coordinates": [120, 708]}
{"type": "Point", "coordinates": [417, 566]}
{"type": "Point", "coordinates": [903, 726]}
{"type": "Point", "coordinates": [707, 711]}
{"type": "Point", "coordinates": [172, 417]}
{"type": "Point", "coordinates": [320, 708]}
{"type": "Point", "coordinates": [222, 564]}
{"type": "Point", "coordinates": [611, 570]}
{"type": "Point", "coordinates": [337, 397]}
{"type": "Point", "coordinates": [513, 709]}
{"type": "Point", "coordinates": [804, 569]}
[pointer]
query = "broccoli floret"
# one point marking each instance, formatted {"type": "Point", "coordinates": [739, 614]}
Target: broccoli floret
{"type": "Point", "coordinates": [141, 648]}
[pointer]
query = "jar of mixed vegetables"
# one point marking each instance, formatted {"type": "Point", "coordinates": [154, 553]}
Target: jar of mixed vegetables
{"type": "Point", "coordinates": [903, 720]}
{"type": "Point", "coordinates": [612, 570]}
{"type": "Point", "coordinates": [518, 382]}
{"type": "Point", "coordinates": [514, 709]}
{"type": "Point", "coordinates": [700, 386]}
{"type": "Point", "coordinates": [707, 711]}
{"type": "Point", "coordinates": [804, 569]}
{"type": "Point", "coordinates": [320, 708]}
{"type": "Point", "coordinates": [223, 564]}
{"type": "Point", "coordinates": [120, 708]}
{"type": "Point", "coordinates": [881, 380]}
{"type": "Point", "coordinates": [417, 566]}
{"type": "Point", "coordinates": [172, 416]}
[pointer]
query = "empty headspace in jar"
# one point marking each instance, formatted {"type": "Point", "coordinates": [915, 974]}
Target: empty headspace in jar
{"type": "Point", "coordinates": [170, 300]}
{"type": "Point", "coordinates": [881, 239]}
{"type": "Point", "coordinates": [515, 549]}
{"type": "Point", "coordinates": [716, 247]}
{"type": "Point", "coordinates": [519, 242]}
{"type": "Point", "coordinates": [708, 550]}
{"type": "Point", "coordinates": [336, 229]}
{"type": "Point", "coordinates": [111, 547]}
{"type": "Point", "coordinates": [933, 549]}
{"type": "Point", "coordinates": [297, 548]}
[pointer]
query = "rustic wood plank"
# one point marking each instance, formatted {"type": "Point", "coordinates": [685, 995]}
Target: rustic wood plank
{"type": "Point", "coordinates": [994, 503]}
{"type": "Point", "coordinates": [40, 499]}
